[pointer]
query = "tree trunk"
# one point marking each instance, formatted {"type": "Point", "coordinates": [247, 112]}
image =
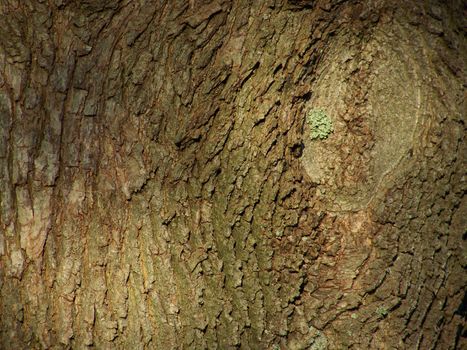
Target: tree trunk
{"type": "Point", "coordinates": [160, 188]}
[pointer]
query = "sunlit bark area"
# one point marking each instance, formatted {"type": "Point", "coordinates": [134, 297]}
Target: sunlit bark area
{"type": "Point", "coordinates": [160, 187]}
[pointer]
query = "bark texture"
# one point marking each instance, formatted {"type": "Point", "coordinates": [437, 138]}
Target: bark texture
{"type": "Point", "coordinates": [159, 188]}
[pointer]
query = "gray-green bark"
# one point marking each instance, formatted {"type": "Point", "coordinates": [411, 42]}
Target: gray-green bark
{"type": "Point", "coordinates": [159, 188]}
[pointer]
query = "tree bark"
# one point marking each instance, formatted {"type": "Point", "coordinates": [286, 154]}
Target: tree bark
{"type": "Point", "coordinates": [159, 188]}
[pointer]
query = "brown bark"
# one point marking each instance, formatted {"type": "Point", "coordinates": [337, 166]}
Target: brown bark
{"type": "Point", "coordinates": [159, 187]}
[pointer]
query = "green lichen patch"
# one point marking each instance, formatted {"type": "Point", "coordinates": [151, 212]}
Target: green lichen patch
{"type": "Point", "coordinates": [320, 124]}
{"type": "Point", "coordinates": [382, 311]}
